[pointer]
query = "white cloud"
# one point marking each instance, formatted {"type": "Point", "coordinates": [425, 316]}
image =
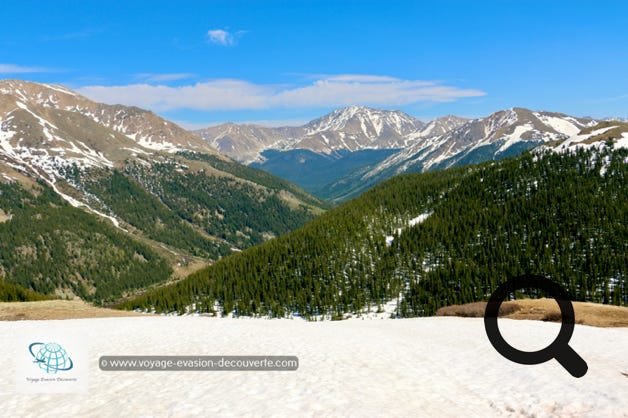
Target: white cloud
{"type": "Point", "coordinates": [223, 94]}
{"type": "Point", "coordinates": [370, 90]}
{"type": "Point", "coordinates": [356, 78]}
{"type": "Point", "coordinates": [220, 37]}
{"type": "Point", "coordinates": [331, 91]}
{"type": "Point", "coordinates": [270, 123]}
{"type": "Point", "coordinates": [159, 78]}
{"type": "Point", "coordinates": [19, 69]}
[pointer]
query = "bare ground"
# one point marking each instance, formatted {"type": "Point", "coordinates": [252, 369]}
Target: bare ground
{"type": "Point", "coordinates": [545, 309]}
{"type": "Point", "coordinates": [56, 309]}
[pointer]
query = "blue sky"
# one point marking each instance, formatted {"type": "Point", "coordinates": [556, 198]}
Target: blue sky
{"type": "Point", "coordinates": [286, 62]}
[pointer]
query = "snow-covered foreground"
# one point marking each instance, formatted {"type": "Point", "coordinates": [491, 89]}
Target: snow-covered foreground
{"type": "Point", "coordinates": [415, 367]}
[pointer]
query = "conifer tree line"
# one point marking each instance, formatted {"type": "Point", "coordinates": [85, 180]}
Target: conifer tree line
{"type": "Point", "coordinates": [205, 215]}
{"type": "Point", "coordinates": [562, 215]}
{"type": "Point", "coordinates": [13, 293]}
{"type": "Point", "coordinates": [49, 245]}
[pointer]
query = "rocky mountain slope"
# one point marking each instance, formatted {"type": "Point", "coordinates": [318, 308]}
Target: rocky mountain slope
{"type": "Point", "coordinates": [496, 134]}
{"type": "Point", "coordinates": [154, 194]}
{"type": "Point", "coordinates": [501, 134]}
{"type": "Point", "coordinates": [356, 128]}
{"type": "Point", "coordinates": [353, 128]}
{"type": "Point", "coordinates": [245, 142]}
{"type": "Point", "coordinates": [444, 142]}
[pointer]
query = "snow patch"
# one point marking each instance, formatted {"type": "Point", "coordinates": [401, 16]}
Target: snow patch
{"type": "Point", "coordinates": [8, 178]}
{"type": "Point", "coordinates": [146, 142]}
{"type": "Point", "coordinates": [515, 137]}
{"type": "Point", "coordinates": [623, 141]}
{"type": "Point", "coordinates": [60, 89]}
{"type": "Point", "coordinates": [137, 151]}
{"type": "Point", "coordinates": [43, 122]}
{"type": "Point", "coordinates": [567, 126]}
{"type": "Point", "coordinates": [577, 141]}
{"type": "Point", "coordinates": [412, 222]}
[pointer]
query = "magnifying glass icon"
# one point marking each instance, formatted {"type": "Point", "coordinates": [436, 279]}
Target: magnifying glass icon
{"type": "Point", "coordinates": [558, 349]}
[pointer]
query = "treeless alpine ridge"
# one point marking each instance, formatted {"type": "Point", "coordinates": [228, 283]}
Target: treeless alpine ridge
{"type": "Point", "coordinates": [544, 309]}
{"type": "Point", "coordinates": [56, 309]}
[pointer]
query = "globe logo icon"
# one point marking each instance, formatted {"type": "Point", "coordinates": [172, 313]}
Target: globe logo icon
{"type": "Point", "coordinates": [50, 357]}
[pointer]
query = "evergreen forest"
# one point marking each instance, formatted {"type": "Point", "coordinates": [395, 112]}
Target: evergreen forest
{"type": "Point", "coordinates": [562, 215]}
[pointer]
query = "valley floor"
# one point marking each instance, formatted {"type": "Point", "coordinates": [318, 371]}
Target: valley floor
{"type": "Point", "coordinates": [439, 366]}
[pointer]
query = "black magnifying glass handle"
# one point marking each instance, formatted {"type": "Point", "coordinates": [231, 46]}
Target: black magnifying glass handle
{"type": "Point", "coordinates": [571, 361]}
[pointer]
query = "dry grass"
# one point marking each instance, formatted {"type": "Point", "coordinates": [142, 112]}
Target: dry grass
{"type": "Point", "coordinates": [612, 134]}
{"type": "Point", "coordinates": [592, 314]}
{"type": "Point", "coordinates": [4, 216]}
{"type": "Point", "coordinates": [56, 309]}
{"type": "Point", "coordinates": [544, 309]}
{"type": "Point", "coordinates": [476, 309]}
{"type": "Point", "coordinates": [604, 124]}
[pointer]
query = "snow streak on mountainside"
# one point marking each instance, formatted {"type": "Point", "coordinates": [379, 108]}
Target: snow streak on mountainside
{"type": "Point", "coordinates": [52, 134]}
{"type": "Point", "coordinates": [613, 133]}
{"type": "Point", "coordinates": [356, 128]}
{"type": "Point", "coordinates": [167, 197]}
{"type": "Point", "coordinates": [443, 142]}
{"type": "Point", "coordinates": [478, 139]}
{"type": "Point", "coordinates": [350, 129]}
{"type": "Point", "coordinates": [46, 129]}
{"type": "Point", "coordinates": [502, 134]}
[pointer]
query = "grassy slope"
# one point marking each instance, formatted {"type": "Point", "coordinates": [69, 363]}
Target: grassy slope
{"type": "Point", "coordinates": [543, 309]}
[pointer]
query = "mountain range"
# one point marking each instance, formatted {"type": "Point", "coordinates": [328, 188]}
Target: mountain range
{"type": "Point", "coordinates": [104, 202]}
{"type": "Point", "coordinates": [97, 200]}
{"type": "Point", "coordinates": [353, 128]}
{"type": "Point", "coordinates": [426, 240]}
{"type": "Point", "coordinates": [349, 150]}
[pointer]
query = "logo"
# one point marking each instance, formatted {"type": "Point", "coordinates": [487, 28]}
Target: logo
{"type": "Point", "coordinates": [53, 361]}
{"type": "Point", "coordinates": [559, 349]}
{"type": "Point", "coordinates": [50, 357]}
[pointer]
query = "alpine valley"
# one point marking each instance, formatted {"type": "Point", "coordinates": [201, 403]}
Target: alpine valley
{"type": "Point", "coordinates": [115, 204]}
{"type": "Point", "coordinates": [421, 241]}
{"type": "Point", "coordinates": [348, 151]}
{"type": "Point", "coordinates": [98, 201]}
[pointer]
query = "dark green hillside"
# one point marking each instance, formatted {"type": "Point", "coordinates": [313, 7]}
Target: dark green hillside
{"type": "Point", "coordinates": [14, 293]}
{"type": "Point", "coordinates": [198, 213]}
{"type": "Point", "coordinates": [561, 215]}
{"type": "Point", "coordinates": [49, 246]}
{"type": "Point", "coordinates": [255, 175]}
{"type": "Point", "coordinates": [306, 270]}
{"type": "Point", "coordinates": [238, 213]}
{"type": "Point", "coordinates": [148, 214]}
{"type": "Point", "coordinates": [167, 212]}
{"type": "Point", "coordinates": [558, 216]}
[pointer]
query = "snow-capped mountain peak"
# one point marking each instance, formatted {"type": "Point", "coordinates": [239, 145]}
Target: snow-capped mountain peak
{"type": "Point", "coordinates": [365, 121]}
{"type": "Point", "coordinates": [499, 134]}
{"type": "Point", "coordinates": [47, 102]}
{"type": "Point", "coordinates": [47, 129]}
{"type": "Point", "coordinates": [352, 128]}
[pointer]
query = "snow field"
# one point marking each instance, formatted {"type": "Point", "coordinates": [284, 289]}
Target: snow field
{"type": "Point", "coordinates": [436, 366]}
